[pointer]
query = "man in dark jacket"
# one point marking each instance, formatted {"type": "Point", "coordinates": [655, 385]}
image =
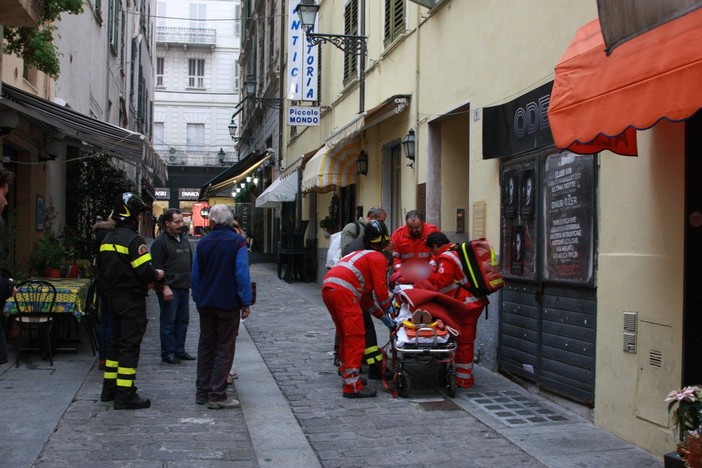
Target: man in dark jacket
{"type": "Point", "coordinates": [171, 253]}
{"type": "Point", "coordinates": [125, 267]}
{"type": "Point", "coordinates": [221, 287]}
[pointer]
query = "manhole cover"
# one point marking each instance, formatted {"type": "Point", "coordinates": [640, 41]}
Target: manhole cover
{"type": "Point", "coordinates": [516, 409]}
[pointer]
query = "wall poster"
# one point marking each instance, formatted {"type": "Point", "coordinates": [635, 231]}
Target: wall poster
{"type": "Point", "coordinates": [569, 217]}
{"type": "Point", "coordinates": [519, 225]}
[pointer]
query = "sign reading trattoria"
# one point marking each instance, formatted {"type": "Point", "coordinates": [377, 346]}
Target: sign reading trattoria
{"type": "Point", "coordinates": [304, 116]}
{"type": "Point", "coordinates": [188, 193]}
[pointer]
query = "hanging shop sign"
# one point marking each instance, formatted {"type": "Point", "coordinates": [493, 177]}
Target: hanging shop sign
{"type": "Point", "coordinates": [303, 116]}
{"type": "Point", "coordinates": [188, 193]}
{"type": "Point", "coordinates": [162, 193]}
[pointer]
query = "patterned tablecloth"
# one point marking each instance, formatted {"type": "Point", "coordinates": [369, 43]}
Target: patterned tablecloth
{"type": "Point", "coordinates": [71, 294]}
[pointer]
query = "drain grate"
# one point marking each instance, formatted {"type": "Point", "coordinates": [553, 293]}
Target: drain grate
{"type": "Point", "coordinates": [516, 409]}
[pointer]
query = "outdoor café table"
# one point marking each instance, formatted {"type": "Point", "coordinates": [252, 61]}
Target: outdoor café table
{"type": "Point", "coordinates": [71, 294]}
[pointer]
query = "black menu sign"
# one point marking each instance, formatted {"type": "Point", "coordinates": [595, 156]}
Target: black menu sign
{"type": "Point", "coordinates": [569, 202]}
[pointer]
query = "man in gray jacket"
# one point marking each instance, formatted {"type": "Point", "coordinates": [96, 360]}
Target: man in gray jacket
{"type": "Point", "coordinates": [171, 253]}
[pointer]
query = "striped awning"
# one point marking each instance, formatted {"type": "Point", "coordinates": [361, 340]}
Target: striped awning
{"type": "Point", "coordinates": [330, 168]}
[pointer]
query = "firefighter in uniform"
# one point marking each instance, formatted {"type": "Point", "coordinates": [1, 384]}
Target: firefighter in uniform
{"type": "Point", "coordinates": [448, 279]}
{"type": "Point", "coordinates": [125, 266]}
{"type": "Point", "coordinates": [357, 283]}
{"type": "Point", "coordinates": [409, 240]}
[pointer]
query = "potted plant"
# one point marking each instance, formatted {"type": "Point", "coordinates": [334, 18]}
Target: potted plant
{"type": "Point", "coordinates": [330, 223]}
{"type": "Point", "coordinates": [685, 410]}
{"type": "Point", "coordinates": [49, 256]}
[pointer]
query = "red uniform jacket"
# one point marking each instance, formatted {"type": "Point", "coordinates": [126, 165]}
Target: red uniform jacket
{"type": "Point", "coordinates": [364, 274]}
{"type": "Point", "coordinates": [407, 247]}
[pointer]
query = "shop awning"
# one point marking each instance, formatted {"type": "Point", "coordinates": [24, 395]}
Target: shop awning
{"type": "Point", "coordinates": [598, 101]}
{"type": "Point", "coordinates": [283, 189]}
{"type": "Point", "coordinates": [232, 175]}
{"type": "Point", "coordinates": [116, 141]}
{"type": "Point", "coordinates": [331, 168]}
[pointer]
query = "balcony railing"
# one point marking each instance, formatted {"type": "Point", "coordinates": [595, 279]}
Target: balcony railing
{"type": "Point", "coordinates": [174, 157]}
{"type": "Point", "coordinates": [190, 36]}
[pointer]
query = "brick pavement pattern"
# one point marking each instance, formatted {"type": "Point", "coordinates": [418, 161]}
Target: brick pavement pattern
{"type": "Point", "coordinates": [293, 333]}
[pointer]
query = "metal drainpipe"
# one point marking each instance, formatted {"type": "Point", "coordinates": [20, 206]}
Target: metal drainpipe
{"type": "Point", "coordinates": [362, 78]}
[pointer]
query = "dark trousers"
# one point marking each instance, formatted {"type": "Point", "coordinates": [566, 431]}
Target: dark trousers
{"type": "Point", "coordinates": [215, 352]}
{"type": "Point", "coordinates": [105, 327]}
{"type": "Point", "coordinates": [174, 320]}
{"type": "Point", "coordinates": [128, 328]}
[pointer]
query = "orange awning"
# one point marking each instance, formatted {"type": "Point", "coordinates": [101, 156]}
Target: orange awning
{"type": "Point", "coordinates": [598, 102]}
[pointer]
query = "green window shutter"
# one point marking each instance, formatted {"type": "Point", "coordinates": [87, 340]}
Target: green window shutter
{"type": "Point", "coordinates": [350, 28]}
{"type": "Point", "coordinates": [394, 20]}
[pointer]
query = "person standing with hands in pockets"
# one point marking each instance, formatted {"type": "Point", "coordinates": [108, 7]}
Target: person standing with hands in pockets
{"type": "Point", "coordinates": [171, 253]}
{"type": "Point", "coordinates": [221, 287]}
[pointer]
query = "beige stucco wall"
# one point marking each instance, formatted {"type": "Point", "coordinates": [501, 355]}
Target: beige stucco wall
{"type": "Point", "coordinates": [641, 269]}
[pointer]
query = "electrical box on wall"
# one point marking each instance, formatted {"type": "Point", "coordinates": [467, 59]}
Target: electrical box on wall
{"type": "Point", "coordinates": [460, 220]}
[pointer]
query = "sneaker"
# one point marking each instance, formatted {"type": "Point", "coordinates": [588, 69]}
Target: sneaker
{"type": "Point", "coordinates": [228, 403]}
{"type": "Point", "coordinates": [200, 400]}
{"type": "Point", "coordinates": [365, 392]}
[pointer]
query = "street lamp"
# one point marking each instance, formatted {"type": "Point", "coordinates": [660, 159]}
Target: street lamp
{"type": "Point", "coordinates": [250, 94]}
{"type": "Point", "coordinates": [221, 155]}
{"type": "Point", "coordinates": [350, 44]}
{"type": "Point", "coordinates": [233, 127]}
{"type": "Point", "coordinates": [408, 146]}
{"type": "Point", "coordinates": [362, 163]}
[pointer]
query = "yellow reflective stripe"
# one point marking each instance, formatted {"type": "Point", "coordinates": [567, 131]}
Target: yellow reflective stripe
{"type": "Point", "coordinates": [109, 363]}
{"type": "Point", "coordinates": [110, 375]}
{"type": "Point", "coordinates": [370, 349]}
{"type": "Point", "coordinates": [141, 260]}
{"type": "Point", "coordinates": [114, 248]}
{"type": "Point", "coordinates": [127, 370]}
{"type": "Point", "coordinates": [464, 251]}
{"type": "Point", "coordinates": [125, 383]}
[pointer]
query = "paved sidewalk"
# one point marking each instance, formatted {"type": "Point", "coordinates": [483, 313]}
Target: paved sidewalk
{"type": "Point", "coordinates": [292, 411]}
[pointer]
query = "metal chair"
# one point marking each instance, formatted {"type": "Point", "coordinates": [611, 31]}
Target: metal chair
{"type": "Point", "coordinates": [35, 301]}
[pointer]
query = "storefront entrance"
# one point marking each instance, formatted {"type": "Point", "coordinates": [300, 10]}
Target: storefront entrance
{"type": "Point", "coordinates": [548, 239]}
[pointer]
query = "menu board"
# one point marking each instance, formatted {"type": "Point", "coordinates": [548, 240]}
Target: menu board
{"type": "Point", "coordinates": [569, 208]}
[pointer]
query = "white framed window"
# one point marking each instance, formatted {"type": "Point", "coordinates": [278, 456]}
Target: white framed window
{"type": "Point", "coordinates": [160, 66]}
{"type": "Point", "coordinates": [196, 73]}
{"type": "Point", "coordinates": [159, 130]}
{"type": "Point", "coordinates": [195, 136]}
{"type": "Point", "coordinates": [197, 15]}
{"type": "Point", "coordinates": [236, 76]}
{"type": "Point", "coordinates": [237, 19]}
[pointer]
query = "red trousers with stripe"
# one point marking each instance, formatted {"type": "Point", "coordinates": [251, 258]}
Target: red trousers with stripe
{"type": "Point", "coordinates": [345, 311]}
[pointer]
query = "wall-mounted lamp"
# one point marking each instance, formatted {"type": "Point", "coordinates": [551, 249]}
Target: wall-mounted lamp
{"type": "Point", "coordinates": [250, 94]}
{"type": "Point", "coordinates": [350, 44]}
{"type": "Point", "coordinates": [408, 146]}
{"type": "Point", "coordinates": [362, 163]}
{"type": "Point", "coordinates": [221, 155]}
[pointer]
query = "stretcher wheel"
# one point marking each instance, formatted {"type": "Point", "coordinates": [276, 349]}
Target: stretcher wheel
{"type": "Point", "coordinates": [451, 386]}
{"type": "Point", "coordinates": [403, 384]}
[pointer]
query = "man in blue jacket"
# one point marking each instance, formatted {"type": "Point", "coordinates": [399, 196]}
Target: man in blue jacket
{"type": "Point", "coordinates": [221, 287]}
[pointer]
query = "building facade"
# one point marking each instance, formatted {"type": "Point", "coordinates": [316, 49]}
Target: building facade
{"type": "Point", "coordinates": [581, 239]}
{"type": "Point", "coordinates": [196, 91]}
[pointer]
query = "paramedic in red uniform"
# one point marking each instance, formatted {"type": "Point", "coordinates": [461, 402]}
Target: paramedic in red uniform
{"type": "Point", "coordinates": [448, 278]}
{"type": "Point", "coordinates": [409, 240]}
{"type": "Point", "coordinates": [348, 289]}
